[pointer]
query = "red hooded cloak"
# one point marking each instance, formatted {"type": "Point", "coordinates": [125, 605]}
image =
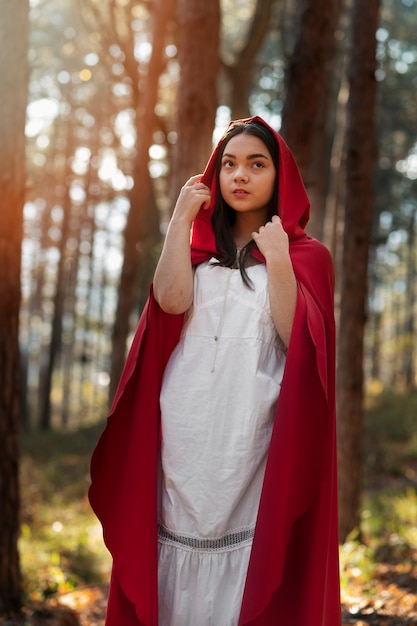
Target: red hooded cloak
{"type": "Point", "coordinates": [293, 573]}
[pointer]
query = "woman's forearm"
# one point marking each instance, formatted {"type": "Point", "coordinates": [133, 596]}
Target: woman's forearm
{"type": "Point", "coordinates": [282, 286]}
{"type": "Point", "coordinates": [272, 240]}
{"type": "Point", "coordinates": [173, 280]}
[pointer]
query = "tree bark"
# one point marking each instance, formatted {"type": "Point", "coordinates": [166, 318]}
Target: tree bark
{"type": "Point", "coordinates": [360, 166]}
{"type": "Point", "coordinates": [239, 73]}
{"type": "Point", "coordinates": [13, 81]}
{"type": "Point", "coordinates": [198, 21]}
{"type": "Point", "coordinates": [61, 285]}
{"type": "Point", "coordinates": [410, 298]}
{"type": "Point", "coordinates": [313, 51]}
{"type": "Point", "coordinates": [318, 178]}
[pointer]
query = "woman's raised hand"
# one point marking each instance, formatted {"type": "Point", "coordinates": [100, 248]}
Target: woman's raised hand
{"type": "Point", "coordinates": [193, 196]}
{"type": "Point", "coordinates": [271, 239]}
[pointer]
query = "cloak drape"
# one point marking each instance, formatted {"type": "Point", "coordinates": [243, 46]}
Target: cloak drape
{"type": "Point", "coordinates": [293, 573]}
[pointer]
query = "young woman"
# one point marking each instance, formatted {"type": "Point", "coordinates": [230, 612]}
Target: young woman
{"type": "Point", "coordinates": [215, 478]}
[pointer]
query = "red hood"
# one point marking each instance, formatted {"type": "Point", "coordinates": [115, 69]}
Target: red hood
{"type": "Point", "coordinates": [293, 203]}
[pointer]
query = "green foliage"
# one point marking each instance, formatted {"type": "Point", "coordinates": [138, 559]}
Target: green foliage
{"type": "Point", "coordinates": [61, 542]}
{"type": "Point", "coordinates": [389, 522]}
{"type": "Point", "coordinates": [390, 437]}
{"type": "Point", "coordinates": [388, 533]}
{"type": "Point", "coordinates": [356, 561]}
{"type": "Point", "coordinates": [379, 563]}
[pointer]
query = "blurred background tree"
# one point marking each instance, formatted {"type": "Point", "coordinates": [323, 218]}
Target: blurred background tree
{"type": "Point", "coordinates": [360, 150]}
{"type": "Point", "coordinates": [14, 73]}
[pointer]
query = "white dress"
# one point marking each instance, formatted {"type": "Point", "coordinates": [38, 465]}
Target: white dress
{"type": "Point", "coordinates": [218, 399]}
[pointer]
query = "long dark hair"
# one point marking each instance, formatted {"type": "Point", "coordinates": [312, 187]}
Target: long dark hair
{"type": "Point", "coordinates": [224, 216]}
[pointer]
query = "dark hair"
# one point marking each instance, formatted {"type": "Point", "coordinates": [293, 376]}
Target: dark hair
{"type": "Point", "coordinates": [224, 216]}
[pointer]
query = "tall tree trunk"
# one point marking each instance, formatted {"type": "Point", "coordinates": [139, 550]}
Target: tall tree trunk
{"type": "Point", "coordinates": [55, 343]}
{"type": "Point", "coordinates": [319, 176]}
{"type": "Point", "coordinates": [375, 346]}
{"type": "Point", "coordinates": [410, 296]}
{"type": "Point", "coordinates": [360, 166]}
{"type": "Point", "coordinates": [313, 50]}
{"type": "Point", "coordinates": [13, 81]}
{"type": "Point", "coordinates": [335, 197]}
{"type": "Point", "coordinates": [136, 226]}
{"type": "Point", "coordinates": [198, 21]}
{"type": "Point", "coordinates": [239, 73]}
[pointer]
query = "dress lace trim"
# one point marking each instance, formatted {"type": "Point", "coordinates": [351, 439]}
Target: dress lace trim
{"type": "Point", "coordinates": [230, 541]}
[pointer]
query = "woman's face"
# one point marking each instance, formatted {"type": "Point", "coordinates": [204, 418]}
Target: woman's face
{"type": "Point", "coordinates": [247, 175]}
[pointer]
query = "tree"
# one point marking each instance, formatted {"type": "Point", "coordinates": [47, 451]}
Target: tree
{"type": "Point", "coordinates": [239, 72]}
{"type": "Point", "coordinates": [13, 80]}
{"type": "Point", "coordinates": [197, 90]}
{"type": "Point", "coordinates": [141, 195]}
{"type": "Point", "coordinates": [313, 50]}
{"type": "Point", "coordinates": [360, 168]}
{"type": "Point", "coordinates": [307, 122]}
{"type": "Point", "coordinates": [55, 343]}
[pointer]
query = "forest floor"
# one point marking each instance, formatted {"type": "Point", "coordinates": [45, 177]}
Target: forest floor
{"type": "Point", "coordinates": [393, 602]}
{"type": "Point", "coordinates": [66, 567]}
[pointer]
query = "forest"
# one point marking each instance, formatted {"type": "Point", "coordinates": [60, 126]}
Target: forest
{"type": "Point", "coordinates": [107, 107]}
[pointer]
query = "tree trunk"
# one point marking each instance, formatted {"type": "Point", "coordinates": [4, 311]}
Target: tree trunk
{"type": "Point", "coordinates": [409, 330]}
{"type": "Point", "coordinates": [360, 166]}
{"type": "Point", "coordinates": [198, 21]}
{"type": "Point", "coordinates": [239, 73]}
{"type": "Point", "coordinates": [136, 226]}
{"type": "Point", "coordinates": [313, 51]}
{"type": "Point", "coordinates": [335, 198]}
{"type": "Point", "coordinates": [319, 177]}
{"type": "Point", "coordinates": [13, 80]}
{"type": "Point", "coordinates": [55, 343]}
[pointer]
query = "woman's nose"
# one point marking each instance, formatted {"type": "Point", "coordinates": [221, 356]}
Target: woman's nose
{"type": "Point", "coordinates": [240, 174]}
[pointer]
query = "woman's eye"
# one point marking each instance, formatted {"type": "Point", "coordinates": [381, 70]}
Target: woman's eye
{"type": "Point", "coordinates": [258, 165]}
{"type": "Point", "coordinates": [227, 164]}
